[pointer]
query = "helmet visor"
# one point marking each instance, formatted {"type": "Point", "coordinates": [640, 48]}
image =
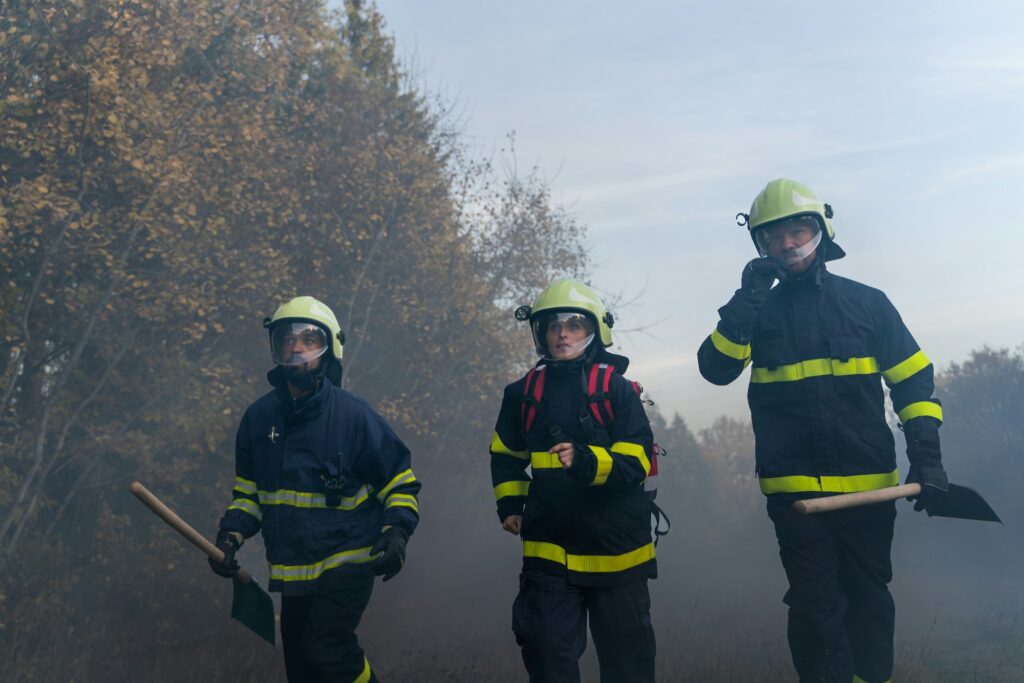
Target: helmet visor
{"type": "Point", "coordinates": [562, 335]}
{"type": "Point", "coordinates": [790, 240]}
{"type": "Point", "coordinates": [297, 343]}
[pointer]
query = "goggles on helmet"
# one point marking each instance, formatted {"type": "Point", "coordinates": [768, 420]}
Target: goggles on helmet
{"type": "Point", "coordinates": [790, 240]}
{"type": "Point", "coordinates": [297, 343]}
{"type": "Point", "coordinates": [573, 332]}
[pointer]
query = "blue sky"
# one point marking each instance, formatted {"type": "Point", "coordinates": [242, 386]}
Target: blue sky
{"type": "Point", "coordinates": [655, 123]}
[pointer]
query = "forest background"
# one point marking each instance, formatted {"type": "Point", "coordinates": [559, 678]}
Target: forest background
{"type": "Point", "coordinates": [169, 173]}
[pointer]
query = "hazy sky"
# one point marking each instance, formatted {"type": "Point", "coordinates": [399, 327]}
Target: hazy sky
{"type": "Point", "coordinates": [656, 123]}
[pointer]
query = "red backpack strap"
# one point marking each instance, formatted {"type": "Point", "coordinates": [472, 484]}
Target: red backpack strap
{"type": "Point", "coordinates": [598, 382]}
{"type": "Point", "coordinates": [533, 391]}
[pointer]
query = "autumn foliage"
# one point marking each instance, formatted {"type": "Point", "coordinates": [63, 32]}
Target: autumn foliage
{"type": "Point", "coordinates": [170, 171]}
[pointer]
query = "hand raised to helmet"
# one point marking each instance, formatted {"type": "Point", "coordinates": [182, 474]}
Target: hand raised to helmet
{"type": "Point", "coordinates": [760, 274]}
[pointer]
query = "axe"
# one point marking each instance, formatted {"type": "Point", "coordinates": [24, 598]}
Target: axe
{"type": "Point", "coordinates": [250, 605]}
{"type": "Point", "coordinates": [959, 502]}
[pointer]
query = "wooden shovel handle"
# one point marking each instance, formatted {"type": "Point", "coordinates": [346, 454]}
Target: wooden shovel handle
{"type": "Point", "coordinates": [181, 526]}
{"type": "Point", "coordinates": [849, 500]}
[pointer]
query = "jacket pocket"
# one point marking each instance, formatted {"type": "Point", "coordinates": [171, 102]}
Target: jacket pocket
{"type": "Point", "coordinates": [335, 529]}
{"type": "Point", "coordinates": [769, 354]}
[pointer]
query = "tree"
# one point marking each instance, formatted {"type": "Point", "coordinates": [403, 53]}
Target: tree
{"type": "Point", "coordinates": [169, 172]}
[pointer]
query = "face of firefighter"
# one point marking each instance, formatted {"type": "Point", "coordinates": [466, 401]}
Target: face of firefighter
{"type": "Point", "coordinates": [299, 349]}
{"type": "Point", "coordinates": [794, 242]}
{"type": "Point", "coordinates": [568, 336]}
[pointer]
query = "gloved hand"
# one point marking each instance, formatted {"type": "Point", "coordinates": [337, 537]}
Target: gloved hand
{"type": "Point", "coordinates": [759, 275]}
{"type": "Point", "coordinates": [740, 313]}
{"type": "Point", "coordinates": [390, 547]}
{"type": "Point", "coordinates": [925, 461]}
{"type": "Point", "coordinates": [227, 542]}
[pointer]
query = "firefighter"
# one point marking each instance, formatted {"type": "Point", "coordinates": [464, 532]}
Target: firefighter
{"type": "Point", "coordinates": [329, 485]}
{"type": "Point", "coordinates": [818, 345]}
{"type": "Point", "coordinates": [583, 515]}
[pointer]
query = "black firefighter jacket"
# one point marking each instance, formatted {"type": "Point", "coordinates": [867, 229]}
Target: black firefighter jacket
{"type": "Point", "coordinates": [817, 350]}
{"type": "Point", "coordinates": [286, 453]}
{"type": "Point", "coordinates": [590, 523]}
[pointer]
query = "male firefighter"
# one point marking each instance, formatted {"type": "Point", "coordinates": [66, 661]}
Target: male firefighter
{"type": "Point", "coordinates": [329, 484]}
{"type": "Point", "coordinates": [583, 515]}
{"type": "Point", "coordinates": [817, 344]}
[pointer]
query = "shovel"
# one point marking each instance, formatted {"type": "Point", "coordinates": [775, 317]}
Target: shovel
{"type": "Point", "coordinates": [959, 502]}
{"type": "Point", "coordinates": [249, 605]}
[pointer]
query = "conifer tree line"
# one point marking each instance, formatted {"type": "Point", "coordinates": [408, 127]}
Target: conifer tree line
{"type": "Point", "coordinates": [171, 171]}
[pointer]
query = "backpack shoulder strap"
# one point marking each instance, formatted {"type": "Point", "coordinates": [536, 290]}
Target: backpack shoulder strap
{"type": "Point", "coordinates": [599, 401]}
{"type": "Point", "coordinates": [533, 392]}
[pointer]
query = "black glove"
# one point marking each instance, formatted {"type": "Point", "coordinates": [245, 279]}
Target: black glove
{"type": "Point", "coordinates": [740, 313]}
{"type": "Point", "coordinates": [390, 547]}
{"type": "Point", "coordinates": [925, 461]}
{"type": "Point", "coordinates": [759, 275]}
{"type": "Point", "coordinates": [227, 542]}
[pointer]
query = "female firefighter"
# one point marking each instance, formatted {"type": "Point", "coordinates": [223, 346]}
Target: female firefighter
{"type": "Point", "coordinates": [582, 511]}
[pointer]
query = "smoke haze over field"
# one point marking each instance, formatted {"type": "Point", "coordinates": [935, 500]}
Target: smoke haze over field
{"type": "Point", "coordinates": [658, 122]}
{"type": "Point", "coordinates": [171, 172]}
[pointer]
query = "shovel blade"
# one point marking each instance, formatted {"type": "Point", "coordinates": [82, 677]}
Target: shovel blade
{"type": "Point", "coordinates": [254, 609]}
{"type": "Point", "coordinates": [962, 503]}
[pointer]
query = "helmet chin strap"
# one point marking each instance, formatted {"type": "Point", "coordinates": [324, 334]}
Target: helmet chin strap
{"type": "Point", "coordinates": [303, 378]}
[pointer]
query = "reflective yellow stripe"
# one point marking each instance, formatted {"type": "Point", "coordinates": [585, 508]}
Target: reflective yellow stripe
{"type": "Point", "coordinates": [304, 499]}
{"type": "Point", "coordinates": [245, 485]}
{"type": "Point", "coordinates": [246, 505]}
{"type": "Point", "coordinates": [402, 500]}
{"type": "Point", "coordinates": [633, 450]}
{"type": "Point", "coordinates": [907, 368]}
{"type": "Point", "coordinates": [730, 348]}
{"type": "Point", "coordinates": [921, 409]}
{"type": "Point", "coordinates": [826, 484]}
{"type": "Point", "coordinates": [365, 676]}
{"type": "Point", "coordinates": [311, 572]}
{"type": "Point", "coordinates": [403, 477]}
{"type": "Point", "coordinates": [589, 563]}
{"type": "Point", "coordinates": [511, 488]}
{"type": "Point", "coordinates": [498, 447]}
{"type": "Point", "coordinates": [542, 460]}
{"type": "Point", "coordinates": [604, 465]}
{"type": "Point", "coordinates": [814, 368]}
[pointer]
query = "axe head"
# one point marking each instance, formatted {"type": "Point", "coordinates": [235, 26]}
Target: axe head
{"type": "Point", "coordinates": [962, 503]}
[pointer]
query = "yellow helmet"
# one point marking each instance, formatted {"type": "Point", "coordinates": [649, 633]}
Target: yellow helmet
{"type": "Point", "coordinates": [564, 296]}
{"type": "Point", "coordinates": [783, 199]}
{"type": "Point", "coordinates": [317, 317]}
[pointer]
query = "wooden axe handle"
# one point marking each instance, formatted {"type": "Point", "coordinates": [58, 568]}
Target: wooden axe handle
{"type": "Point", "coordinates": [181, 526]}
{"type": "Point", "coordinates": [849, 500]}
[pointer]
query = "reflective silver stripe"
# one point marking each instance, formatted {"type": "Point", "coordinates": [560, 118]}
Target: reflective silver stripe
{"type": "Point", "coordinates": [311, 572]}
{"type": "Point", "coordinates": [246, 505]}
{"type": "Point", "coordinates": [303, 499]}
{"type": "Point", "coordinates": [401, 478]}
{"type": "Point", "coordinates": [402, 500]}
{"type": "Point", "coordinates": [245, 486]}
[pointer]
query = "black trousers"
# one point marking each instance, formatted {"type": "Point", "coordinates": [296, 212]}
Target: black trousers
{"type": "Point", "coordinates": [841, 615]}
{"type": "Point", "coordinates": [549, 618]}
{"type": "Point", "coordinates": [318, 630]}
